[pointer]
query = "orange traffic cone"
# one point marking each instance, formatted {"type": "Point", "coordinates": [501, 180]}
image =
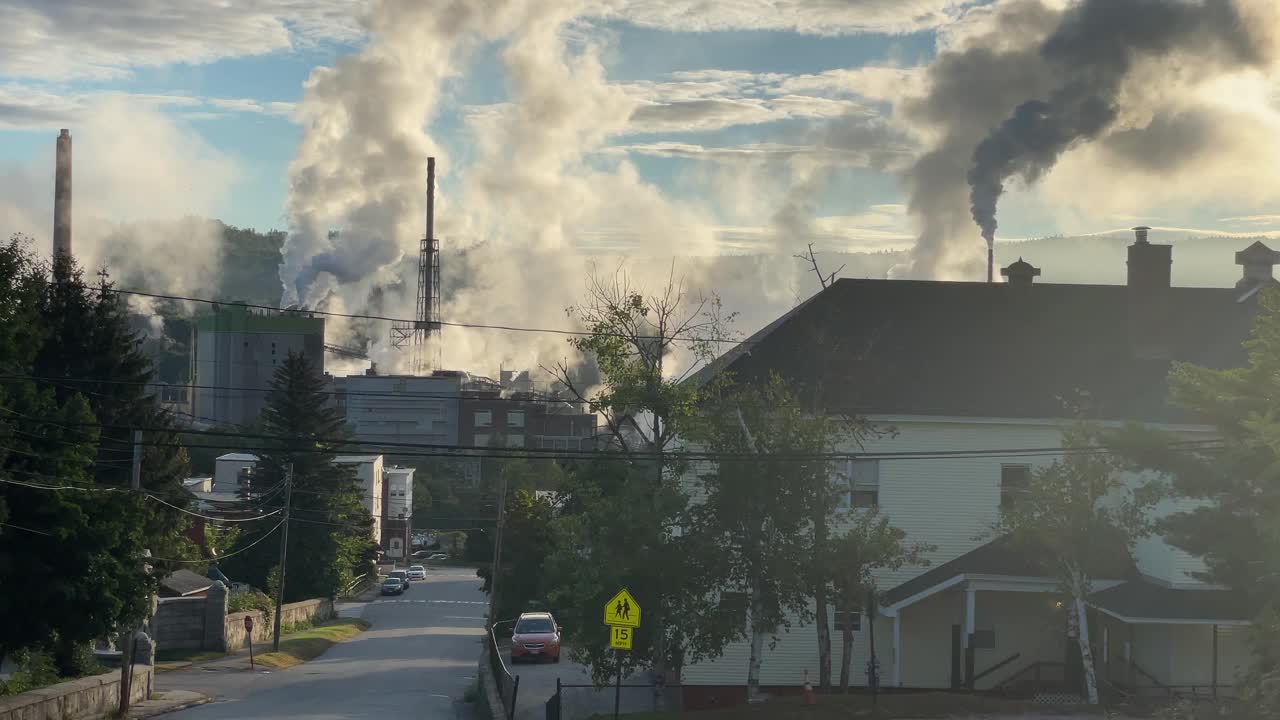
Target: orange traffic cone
{"type": "Point", "coordinates": [809, 697]}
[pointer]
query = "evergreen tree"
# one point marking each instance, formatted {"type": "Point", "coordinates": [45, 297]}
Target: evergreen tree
{"type": "Point", "coordinates": [72, 544]}
{"type": "Point", "coordinates": [331, 531]}
{"type": "Point", "coordinates": [1230, 490]}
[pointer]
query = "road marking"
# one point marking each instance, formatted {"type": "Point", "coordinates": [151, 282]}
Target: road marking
{"type": "Point", "coordinates": [462, 617]}
{"type": "Point", "coordinates": [446, 697]}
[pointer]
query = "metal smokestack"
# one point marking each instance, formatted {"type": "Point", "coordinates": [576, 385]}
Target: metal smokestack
{"type": "Point", "coordinates": [62, 196]}
{"type": "Point", "coordinates": [991, 261]}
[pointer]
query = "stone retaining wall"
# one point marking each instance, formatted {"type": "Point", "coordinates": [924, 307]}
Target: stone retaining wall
{"type": "Point", "coordinates": [90, 697]}
{"type": "Point", "coordinates": [203, 623]}
{"type": "Point", "coordinates": [290, 614]}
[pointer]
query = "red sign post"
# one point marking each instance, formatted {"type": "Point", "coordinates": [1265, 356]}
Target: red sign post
{"type": "Point", "coordinates": [248, 630]}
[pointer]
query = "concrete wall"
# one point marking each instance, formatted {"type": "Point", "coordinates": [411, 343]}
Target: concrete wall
{"type": "Point", "coordinates": [90, 697]}
{"type": "Point", "coordinates": [179, 623]}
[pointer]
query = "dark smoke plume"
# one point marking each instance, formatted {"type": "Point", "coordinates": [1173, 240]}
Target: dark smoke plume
{"type": "Point", "coordinates": [1093, 51]}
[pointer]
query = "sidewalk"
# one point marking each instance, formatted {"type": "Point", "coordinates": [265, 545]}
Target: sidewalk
{"type": "Point", "coordinates": [167, 702]}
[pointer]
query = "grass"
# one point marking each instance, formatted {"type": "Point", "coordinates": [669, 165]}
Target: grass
{"type": "Point", "coordinates": [310, 644]}
{"type": "Point", "coordinates": [888, 707]}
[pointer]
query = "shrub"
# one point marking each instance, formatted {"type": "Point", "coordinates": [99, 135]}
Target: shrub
{"type": "Point", "coordinates": [36, 670]}
{"type": "Point", "coordinates": [249, 601]}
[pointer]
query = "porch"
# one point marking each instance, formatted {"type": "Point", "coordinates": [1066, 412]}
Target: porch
{"type": "Point", "coordinates": [989, 620]}
{"type": "Point", "coordinates": [1155, 640]}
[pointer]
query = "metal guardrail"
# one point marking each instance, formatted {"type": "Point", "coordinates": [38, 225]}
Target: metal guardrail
{"type": "Point", "coordinates": [508, 684]}
{"type": "Point", "coordinates": [357, 581]}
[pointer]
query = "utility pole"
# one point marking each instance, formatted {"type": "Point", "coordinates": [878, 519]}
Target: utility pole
{"type": "Point", "coordinates": [497, 548]}
{"type": "Point", "coordinates": [126, 649]}
{"type": "Point", "coordinates": [284, 556]}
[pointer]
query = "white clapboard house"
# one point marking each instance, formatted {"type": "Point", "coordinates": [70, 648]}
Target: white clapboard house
{"type": "Point", "coordinates": [957, 367]}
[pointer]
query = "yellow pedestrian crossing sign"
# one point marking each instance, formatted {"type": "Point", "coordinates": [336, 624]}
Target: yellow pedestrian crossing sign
{"type": "Point", "coordinates": [622, 609]}
{"type": "Point", "coordinates": [620, 637]}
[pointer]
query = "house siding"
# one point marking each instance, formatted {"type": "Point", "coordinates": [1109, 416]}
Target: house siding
{"type": "Point", "coordinates": [951, 503]}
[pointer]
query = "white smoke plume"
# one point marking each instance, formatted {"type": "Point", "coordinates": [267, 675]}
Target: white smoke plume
{"type": "Point", "coordinates": [143, 183]}
{"type": "Point", "coordinates": [512, 234]}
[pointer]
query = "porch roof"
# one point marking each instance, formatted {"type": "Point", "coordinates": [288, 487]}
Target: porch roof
{"type": "Point", "coordinates": [998, 557]}
{"type": "Point", "coordinates": [1144, 602]}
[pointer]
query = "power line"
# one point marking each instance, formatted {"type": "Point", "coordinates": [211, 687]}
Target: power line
{"type": "Point", "coordinates": [219, 558]}
{"type": "Point", "coordinates": [26, 529]}
{"type": "Point", "coordinates": [206, 517]}
{"type": "Point", "coordinates": [469, 395]}
{"type": "Point", "coordinates": [471, 326]}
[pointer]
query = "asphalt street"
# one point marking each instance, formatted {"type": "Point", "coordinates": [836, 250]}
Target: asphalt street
{"type": "Point", "coordinates": [416, 661]}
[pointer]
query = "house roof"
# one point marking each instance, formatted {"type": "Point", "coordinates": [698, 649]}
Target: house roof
{"type": "Point", "coordinates": [238, 457]}
{"type": "Point", "coordinates": [184, 582]}
{"type": "Point", "coordinates": [1142, 601]}
{"type": "Point", "coordinates": [349, 459]}
{"type": "Point", "coordinates": [998, 557]}
{"type": "Point", "coordinates": [993, 349]}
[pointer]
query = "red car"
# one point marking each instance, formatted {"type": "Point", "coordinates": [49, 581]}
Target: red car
{"type": "Point", "coordinates": [536, 635]}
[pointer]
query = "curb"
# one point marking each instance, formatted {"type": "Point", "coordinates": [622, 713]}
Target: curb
{"type": "Point", "coordinates": [173, 708]}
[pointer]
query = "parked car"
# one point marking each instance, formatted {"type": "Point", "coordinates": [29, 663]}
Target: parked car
{"type": "Point", "coordinates": [422, 555]}
{"type": "Point", "coordinates": [536, 635]}
{"type": "Point", "coordinates": [417, 572]}
{"type": "Point", "coordinates": [392, 586]}
{"type": "Point", "coordinates": [401, 575]}
{"type": "Point", "coordinates": [438, 556]}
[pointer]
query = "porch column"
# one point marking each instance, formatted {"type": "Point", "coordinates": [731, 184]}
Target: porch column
{"type": "Point", "coordinates": [1215, 661]}
{"type": "Point", "coordinates": [897, 648]}
{"type": "Point", "coordinates": [970, 614]}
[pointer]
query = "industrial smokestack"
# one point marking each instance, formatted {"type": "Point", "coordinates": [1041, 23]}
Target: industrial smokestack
{"type": "Point", "coordinates": [62, 196]}
{"type": "Point", "coordinates": [991, 261]}
{"type": "Point", "coordinates": [431, 198]}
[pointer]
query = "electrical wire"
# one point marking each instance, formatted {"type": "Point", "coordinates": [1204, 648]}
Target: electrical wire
{"type": "Point", "coordinates": [26, 529]}
{"type": "Point", "coordinates": [468, 395]}
{"type": "Point", "coordinates": [215, 519]}
{"type": "Point", "coordinates": [470, 326]}
{"type": "Point", "coordinates": [220, 558]}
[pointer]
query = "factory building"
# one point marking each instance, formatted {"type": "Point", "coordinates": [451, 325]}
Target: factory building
{"type": "Point", "coordinates": [234, 353]}
{"type": "Point", "coordinates": [400, 408]}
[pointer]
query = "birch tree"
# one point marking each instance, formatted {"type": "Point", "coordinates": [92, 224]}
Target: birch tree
{"type": "Point", "coordinates": [771, 461]}
{"type": "Point", "coordinates": [645, 346]}
{"type": "Point", "coordinates": [1081, 515]}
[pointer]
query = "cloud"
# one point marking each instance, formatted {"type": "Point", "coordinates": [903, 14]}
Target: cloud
{"type": "Point", "coordinates": [34, 107]}
{"type": "Point", "coordinates": [829, 17]}
{"type": "Point", "coordinates": [66, 39]}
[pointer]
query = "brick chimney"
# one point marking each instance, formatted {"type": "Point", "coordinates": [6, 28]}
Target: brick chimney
{"type": "Point", "coordinates": [1150, 266]}
{"type": "Point", "coordinates": [1150, 270]}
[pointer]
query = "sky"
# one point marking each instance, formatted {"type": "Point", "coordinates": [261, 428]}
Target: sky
{"type": "Point", "coordinates": [653, 128]}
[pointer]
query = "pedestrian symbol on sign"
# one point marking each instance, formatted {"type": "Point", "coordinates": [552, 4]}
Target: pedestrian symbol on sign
{"type": "Point", "coordinates": [622, 609]}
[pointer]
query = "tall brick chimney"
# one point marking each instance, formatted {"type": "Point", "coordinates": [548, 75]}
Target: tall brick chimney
{"type": "Point", "coordinates": [62, 196]}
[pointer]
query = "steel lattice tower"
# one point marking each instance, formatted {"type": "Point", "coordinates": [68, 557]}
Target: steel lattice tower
{"type": "Point", "coordinates": [422, 336]}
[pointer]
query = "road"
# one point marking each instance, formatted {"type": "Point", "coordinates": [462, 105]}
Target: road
{"type": "Point", "coordinates": [415, 662]}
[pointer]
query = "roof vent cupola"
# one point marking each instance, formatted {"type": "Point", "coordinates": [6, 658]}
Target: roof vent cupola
{"type": "Point", "coordinates": [1259, 262]}
{"type": "Point", "coordinates": [1021, 273]}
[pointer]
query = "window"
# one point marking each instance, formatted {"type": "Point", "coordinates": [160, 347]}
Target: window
{"type": "Point", "coordinates": [852, 619]}
{"type": "Point", "coordinates": [1014, 482]}
{"type": "Point", "coordinates": [482, 440]}
{"type": "Point", "coordinates": [515, 418]}
{"type": "Point", "coordinates": [734, 605]}
{"type": "Point", "coordinates": [515, 441]}
{"type": "Point", "coordinates": [484, 418]}
{"type": "Point", "coordinates": [864, 483]}
{"type": "Point", "coordinates": [984, 639]}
